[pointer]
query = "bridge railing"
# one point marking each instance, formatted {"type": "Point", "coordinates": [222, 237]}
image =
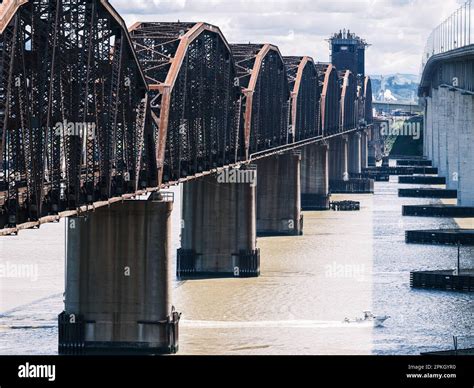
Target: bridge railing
{"type": "Point", "coordinates": [454, 32]}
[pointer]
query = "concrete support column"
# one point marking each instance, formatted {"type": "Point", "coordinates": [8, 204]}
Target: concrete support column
{"type": "Point", "coordinates": [436, 116]}
{"type": "Point", "coordinates": [456, 121]}
{"type": "Point", "coordinates": [445, 110]}
{"type": "Point", "coordinates": [338, 158]}
{"type": "Point", "coordinates": [333, 159]}
{"type": "Point", "coordinates": [428, 129]}
{"type": "Point", "coordinates": [218, 236]}
{"type": "Point", "coordinates": [345, 157]}
{"type": "Point", "coordinates": [355, 153]}
{"type": "Point", "coordinates": [118, 280]}
{"type": "Point", "coordinates": [315, 177]}
{"type": "Point", "coordinates": [374, 144]}
{"type": "Point", "coordinates": [364, 149]}
{"type": "Point", "coordinates": [279, 195]}
{"type": "Point", "coordinates": [466, 159]}
{"type": "Point", "coordinates": [425, 126]}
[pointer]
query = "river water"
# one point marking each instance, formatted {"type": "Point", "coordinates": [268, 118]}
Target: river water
{"type": "Point", "coordinates": [345, 263]}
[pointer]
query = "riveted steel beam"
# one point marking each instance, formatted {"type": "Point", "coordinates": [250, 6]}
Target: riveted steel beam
{"type": "Point", "coordinates": [71, 104]}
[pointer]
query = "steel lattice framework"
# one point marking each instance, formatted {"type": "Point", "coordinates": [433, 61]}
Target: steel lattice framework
{"type": "Point", "coordinates": [73, 103]}
{"type": "Point", "coordinates": [367, 114]}
{"type": "Point", "coordinates": [265, 96]}
{"type": "Point", "coordinates": [349, 101]}
{"type": "Point", "coordinates": [91, 113]}
{"type": "Point", "coordinates": [305, 94]}
{"type": "Point", "coordinates": [330, 99]}
{"type": "Point", "coordinates": [191, 74]}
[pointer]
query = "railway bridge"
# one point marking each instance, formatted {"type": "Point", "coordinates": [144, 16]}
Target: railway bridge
{"type": "Point", "coordinates": [98, 119]}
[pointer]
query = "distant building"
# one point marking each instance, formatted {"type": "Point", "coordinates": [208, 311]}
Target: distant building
{"type": "Point", "coordinates": [348, 52]}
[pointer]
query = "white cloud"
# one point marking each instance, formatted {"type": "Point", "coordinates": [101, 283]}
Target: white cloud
{"type": "Point", "coordinates": [397, 29]}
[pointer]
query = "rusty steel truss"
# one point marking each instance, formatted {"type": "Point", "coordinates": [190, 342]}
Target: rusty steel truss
{"type": "Point", "coordinates": [349, 100]}
{"type": "Point", "coordinates": [305, 89]}
{"type": "Point", "coordinates": [366, 114]}
{"type": "Point", "coordinates": [92, 113]}
{"type": "Point", "coordinates": [191, 74]}
{"type": "Point", "coordinates": [265, 101]}
{"type": "Point", "coordinates": [330, 99]}
{"type": "Point", "coordinates": [73, 103]}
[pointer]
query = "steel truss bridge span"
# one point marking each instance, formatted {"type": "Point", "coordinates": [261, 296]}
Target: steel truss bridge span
{"type": "Point", "coordinates": [92, 113]}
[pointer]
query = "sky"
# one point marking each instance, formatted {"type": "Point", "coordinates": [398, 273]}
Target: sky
{"type": "Point", "coordinates": [396, 29]}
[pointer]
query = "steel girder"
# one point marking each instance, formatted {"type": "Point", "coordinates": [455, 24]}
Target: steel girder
{"type": "Point", "coordinates": [349, 111]}
{"type": "Point", "coordinates": [265, 96]}
{"type": "Point", "coordinates": [305, 93]}
{"type": "Point", "coordinates": [8, 9]}
{"type": "Point", "coordinates": [330, 99]}
{"type": "Point", "coordinates": [73, 103]}
{"type": "Point", "coordinates": [191, 76]}
{"type": "Point", "coordinates": [367, 114]}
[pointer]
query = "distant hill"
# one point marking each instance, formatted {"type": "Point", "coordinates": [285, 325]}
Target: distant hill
{"type": "Point", "coordinates": [395, 87]}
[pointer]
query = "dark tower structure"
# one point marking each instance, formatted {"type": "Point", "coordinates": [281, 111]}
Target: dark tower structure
{"type": "Point", "coordinates": [348, 52]}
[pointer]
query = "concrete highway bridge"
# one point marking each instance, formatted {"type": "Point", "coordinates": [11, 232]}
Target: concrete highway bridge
{"type": "Point", "coordinates": [447, 90]}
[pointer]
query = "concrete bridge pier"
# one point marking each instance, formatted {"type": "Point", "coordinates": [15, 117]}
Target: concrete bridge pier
{"type": "Point", "coordinates": [439, 129]}
{"type": "Point", "coordinates": [364, 149]}
{"type": "Point", "coordinates": [455, 119]}
{"type": "Point", "coordinates": [315, 177]}
{"type": "Point", "coordinates": [428, 130]}
{"type": "Point", "coordinates": [118, 280]}
{"type": "Point", "coordinates": [355, 154]}
{"type": "Point", "coordinates": [465, 155]}
{"type": "Point", "coordinates": [338, 160]}
{"type": "Point", "coordinates": [449, 137]}
{"type": "Point", "coordinates": [279, 195]}
{"type": "Point", "coordinates": [446, 112]}
{"type": "Point", "coordinates": [375, 143]}
{"type": "Point", "coordinates": [219, 235]}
